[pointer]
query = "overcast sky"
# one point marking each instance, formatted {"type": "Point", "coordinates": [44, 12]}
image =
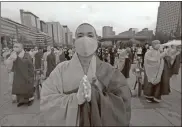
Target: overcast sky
{"type": "Point", "coordinates": [120, 15]}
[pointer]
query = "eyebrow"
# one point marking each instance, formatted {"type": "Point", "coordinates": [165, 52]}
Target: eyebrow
{"type": "Point", "coordinates": [90, 33]}
{"type": "Point", "coordinates": [80, 33]}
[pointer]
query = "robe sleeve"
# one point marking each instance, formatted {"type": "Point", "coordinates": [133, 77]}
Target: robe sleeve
{"type": "Point", "coordinates": [116, 97]}
{"type": "Point", "coordinates": [58, 109]}
{"type": "Point", "coordinates": [9, 64]}
{"type": "Point", "coordinates": [122, 91]}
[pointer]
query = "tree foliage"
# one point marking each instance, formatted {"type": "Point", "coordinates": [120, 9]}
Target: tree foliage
{"type": "Point", "coordinates": [162, 37]}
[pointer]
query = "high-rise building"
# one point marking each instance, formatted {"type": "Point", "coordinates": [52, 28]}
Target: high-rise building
{"type": "Point", "coordinates": [56, 31]}
{"type": "Point", "coordinates": [43, 26]}
{"type": "Point", "coordinates": [169, 16]}
{"type": "Point", "coordinates": [29, 19]}
{"type": "Point", "coordinates": [107, 31]}
{"type": "Point", "coordinates": [68, 36]}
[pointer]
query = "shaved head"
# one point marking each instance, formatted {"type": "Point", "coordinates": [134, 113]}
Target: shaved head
{"type": "Point", "coordinates": [85, 29]}
{"type": "Point", "coordinates": [18, 47]}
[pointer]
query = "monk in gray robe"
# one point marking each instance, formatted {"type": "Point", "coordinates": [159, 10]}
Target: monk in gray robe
{"type": "Point", "coordinates": [38, 59]}
{"type": "Point", "coordinates": [175, 59]}
{"type": "Point", "coordinates": [51, 62]}
{"type": "Point", "coordinates": [85, 91]}
{"type": "Point", "coordinates": [23, 69]}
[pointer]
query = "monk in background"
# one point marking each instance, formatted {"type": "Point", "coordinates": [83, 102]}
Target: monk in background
{"type": "Point", "coordinates": [155, 74]}
{"type": "Point", "coordinates": [85, 91]}
{"type": "Point", "coordinates": [23, 77]}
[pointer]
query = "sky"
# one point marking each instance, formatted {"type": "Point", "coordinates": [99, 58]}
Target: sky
{"type": "Point", "coordinates": [120, 15]}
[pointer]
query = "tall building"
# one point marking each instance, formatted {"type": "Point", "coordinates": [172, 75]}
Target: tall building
{"type": "Point", "coordinates": [68, 36]}
{"type": "Point", "coordinates": [169, 16]}
{"type": "Point", "coordinates": [56, 31]}
{"type": "Point", "coordinates": [43, 26]}
{"type": "Point", "coordinates": [29, 19]}
{"type": "Point", "coordinates": [107, 31]}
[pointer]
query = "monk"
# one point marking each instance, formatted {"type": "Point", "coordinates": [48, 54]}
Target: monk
{"type": "Point", "coordinates": [175, 59]}
{"type": "Point", "coordinates": [154, 66]}
{"type": "Point", "coordinates": [51, 62]}
{"type": "Point", "coordinates": [61, 55]}
{"type": "Point", "coordinates": [127, 63]}
{"type": "Point", "coordinates": [38, 59]}
{"type": "Point", "coordinates": [23, 70]}
{"type": "Point", "coordinates": [85, 91]}
{"type": "Point", "coordinates": [44, 59]}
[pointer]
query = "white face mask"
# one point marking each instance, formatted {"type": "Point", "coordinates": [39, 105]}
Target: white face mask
{"type": "Point", "coordinates": [86, 46]}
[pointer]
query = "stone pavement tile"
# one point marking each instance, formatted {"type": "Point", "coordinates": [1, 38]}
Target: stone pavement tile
{"type": "Point", "coordinates": [171, 116]}
{"type": "Point", "coordinates": [11, 108]}
{"type": "Point", "coordinates": [34, 121]}
{"type": "Point", "coordinates": [148, 117]}
{"type": "Point", "coordinates": [136, 103]}
{"type": "Point", "coordinates": [16, 119]}
{"type": "Point", "coordinates": [142, 103]}
{"type": "Point", "coordinates": [173, 100]}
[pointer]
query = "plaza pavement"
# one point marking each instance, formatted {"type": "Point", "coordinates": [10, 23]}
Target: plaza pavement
{"type": "Point", "coordinates": [167, 113]}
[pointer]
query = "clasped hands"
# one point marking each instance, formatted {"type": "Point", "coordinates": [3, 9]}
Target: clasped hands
{"type": "Point", "coordinates": [84, 91]}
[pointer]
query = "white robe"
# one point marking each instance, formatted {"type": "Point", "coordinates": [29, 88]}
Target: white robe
{"type": "Point", "coordinates": [154, 65]}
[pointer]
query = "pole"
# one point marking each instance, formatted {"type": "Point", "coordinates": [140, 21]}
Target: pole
{"type": "Point", "coordinates": [1, 95]}
{"type": "Point", "coordinates": [52, 34]}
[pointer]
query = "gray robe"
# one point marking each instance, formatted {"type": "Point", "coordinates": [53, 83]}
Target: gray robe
{"type": "Point", "coordinates": [59, 105]}
{"type": "Point", "coordinates": [23, 76]}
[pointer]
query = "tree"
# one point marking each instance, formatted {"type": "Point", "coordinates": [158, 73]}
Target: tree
{"type": "Point", "coordinates": [162, 37]}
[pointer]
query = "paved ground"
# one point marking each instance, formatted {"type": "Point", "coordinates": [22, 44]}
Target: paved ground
{"type": "Point", "coordinates": [167, 113]}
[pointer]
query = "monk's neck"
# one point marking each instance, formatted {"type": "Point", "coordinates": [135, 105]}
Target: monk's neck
{"type": "Point", "coordinates": [85, 62]}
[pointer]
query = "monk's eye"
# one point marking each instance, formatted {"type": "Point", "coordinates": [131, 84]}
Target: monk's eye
{"type": "Point", "coordinates": [79, 35]}
{"type": "Point", "coordinates": [90, 36]}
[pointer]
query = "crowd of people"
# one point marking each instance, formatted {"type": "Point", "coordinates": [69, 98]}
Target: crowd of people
{"type": "Point", "coordinates": [84, 85]}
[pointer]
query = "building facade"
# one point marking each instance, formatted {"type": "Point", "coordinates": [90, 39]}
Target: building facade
{"type": "Point", "coordinates": [43, 26]}
{"type": "Point", "coordinates": [12, 31]}
{"type": "Point", "coordinates": [68, 40]}
{"type": "Point", "coordinates": [30, 20]}
{"type": "Point", "coordinates": [56, 31]}
{"type": "Point", "coordinates": [169, 16]}
{"type": "Point", "coordinates": [107, 31]}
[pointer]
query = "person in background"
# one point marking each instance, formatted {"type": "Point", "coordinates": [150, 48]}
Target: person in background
{"type": "Point", "coordinates": [144, 50]}
{"type": "Point", "coordinates": [66, 53]}
{"type": "Point", "coordinates": [38, 59]}
{"type": "Point", "coordinates": [139, 51]}
{"type": "Point", "coordinates": [23, 83]}
{"type": "Point", "coordinates": [61, 56]}
{"type": "Point", "coordinates": [175, 56]}
{"type": "Point", "coordinates": [56, 52]}
{"type": "Point", "coordinates": [70, 53]}
{"type": "Point", "coordinates": [51, 62]}
{"type": "Point", "coordinates": [127, 65]}
{"type": "Point", "coordinates": [33, 54]}
{"type": "Point", "coordinates": [8, 66]}
{"type": "Point", "coordinates": [99, 53]}
{"type": "Point", "coordinates": [45, 59]}
{"type": "Point", "coordinates": [133, 50]}
{"type": "Point", "coordinates": [85, 91]}
{"type": "Point", "coordinates": [112, 56]}
{"type": "Point", "coordinates": [154, 66]}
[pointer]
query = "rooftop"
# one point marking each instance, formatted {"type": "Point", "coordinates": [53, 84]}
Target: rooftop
{"type": "Point", "coordinates": [28, 12]}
